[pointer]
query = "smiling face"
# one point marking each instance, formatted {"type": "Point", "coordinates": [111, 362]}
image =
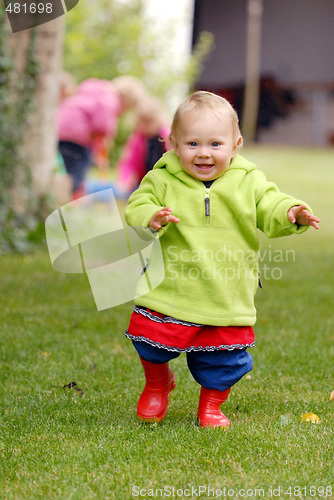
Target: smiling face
{"type": "Point", "coordinates": [205, 144]}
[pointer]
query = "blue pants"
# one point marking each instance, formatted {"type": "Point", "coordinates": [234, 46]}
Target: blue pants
{"type": "Point", "coordinates": [77, 161]}
{"type": "Point", "coordinates": [211, 369]}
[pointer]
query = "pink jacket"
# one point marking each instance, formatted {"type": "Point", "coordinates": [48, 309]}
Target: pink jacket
{"type": "Point", "coordinates": [91, 112]}
{"type": "Point", "coordinates": [131, 166]}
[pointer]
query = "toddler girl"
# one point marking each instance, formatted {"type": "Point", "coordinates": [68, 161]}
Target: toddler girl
{"type": "Point", "coordinates": [205, 202]}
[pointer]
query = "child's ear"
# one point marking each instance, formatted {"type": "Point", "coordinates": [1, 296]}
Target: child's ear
{"type": "Point", "coordinates": [235, 147]}
{"type": "Point", "coordinates": [174, 145]}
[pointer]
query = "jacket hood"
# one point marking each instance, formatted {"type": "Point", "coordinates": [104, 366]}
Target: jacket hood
{"type": "Point", "coordinates": [171, 162]}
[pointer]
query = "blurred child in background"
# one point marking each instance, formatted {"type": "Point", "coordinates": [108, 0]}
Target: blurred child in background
{"type": "Point", "coordinates": [144, 147]}
{"type": "Point", "coordinates": [87, 124]}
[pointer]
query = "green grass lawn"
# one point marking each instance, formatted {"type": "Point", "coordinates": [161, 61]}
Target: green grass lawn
{"type": "Point", "coordinates": [62, 443]}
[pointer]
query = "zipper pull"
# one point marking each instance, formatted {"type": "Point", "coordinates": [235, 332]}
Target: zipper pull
{"type": "Point", "coordinates": [207, 203]}
{"type": "Point", "coordinates": [207, 207]}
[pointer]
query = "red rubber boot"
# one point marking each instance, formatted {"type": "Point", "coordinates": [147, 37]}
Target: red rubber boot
{"type": "Point", "coordinates": [153, 402]}
{"type": "Point", "coordinates": [209, 414]}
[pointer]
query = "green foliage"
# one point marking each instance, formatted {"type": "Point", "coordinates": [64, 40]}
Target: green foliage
{"type": "Point", "coordinates": [113, 38]}
{"type": "Point", "coordinates": [16, 102]}
{"type": "Point", "coordinates": [102, 39]}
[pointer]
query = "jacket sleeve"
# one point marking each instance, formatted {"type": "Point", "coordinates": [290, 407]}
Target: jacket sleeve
{"type": "Point", "coordinates": [272, 208]}
{"type": "Point", "coordinates": [145, 202]}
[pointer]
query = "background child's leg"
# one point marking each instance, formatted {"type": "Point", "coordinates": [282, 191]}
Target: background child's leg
{"type": "Point", "coordinates": [77, 160]}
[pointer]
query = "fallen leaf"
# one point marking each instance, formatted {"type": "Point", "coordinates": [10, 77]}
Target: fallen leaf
{"type": "Point", "coordinates": [311, 417]}
{"type": "Point", "coordinates": [331, 397]}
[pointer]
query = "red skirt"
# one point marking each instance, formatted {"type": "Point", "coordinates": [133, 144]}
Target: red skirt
{"type": "Point", "coordinates": [173, 334]}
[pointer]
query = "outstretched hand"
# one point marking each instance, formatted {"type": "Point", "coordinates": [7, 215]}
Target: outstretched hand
{"type": "Point", "coordinates": [300, 215]}
{"type": "Point", "coordinates": [162, 218]}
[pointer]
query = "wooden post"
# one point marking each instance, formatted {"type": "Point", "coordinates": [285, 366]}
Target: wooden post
{"type": "Point", "coordinates": [253, 70]}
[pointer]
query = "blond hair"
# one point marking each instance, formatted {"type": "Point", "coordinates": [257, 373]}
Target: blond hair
{"type": "Point", "coordinates": [130, 89]}
{"type": "Point", "coordinates": [200, 101]}
{"type": "Point", "coordinates": [151, 107]}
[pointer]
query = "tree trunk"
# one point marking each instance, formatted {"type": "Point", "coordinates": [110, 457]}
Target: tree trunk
{"type": "Point", "coordinates": [39, 143]}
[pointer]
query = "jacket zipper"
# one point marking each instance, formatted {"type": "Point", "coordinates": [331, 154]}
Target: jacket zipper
{"type": "Point", "coordinates": [207, 202]}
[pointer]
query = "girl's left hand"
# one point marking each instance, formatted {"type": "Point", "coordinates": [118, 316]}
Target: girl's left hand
{"type": "Point", "coordinates": [300, 215]}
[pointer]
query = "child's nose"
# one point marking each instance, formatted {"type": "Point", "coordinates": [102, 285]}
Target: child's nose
{"type": "Point", "coordinates": [204, 152]}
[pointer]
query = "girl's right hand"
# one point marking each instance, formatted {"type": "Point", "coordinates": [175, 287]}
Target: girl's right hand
{"type": "Point", "coordinates": [161, 218]}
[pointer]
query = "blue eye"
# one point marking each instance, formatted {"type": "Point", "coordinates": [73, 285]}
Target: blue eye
{"type": "Point", "coordinates": [215, 144]}
{"type": "Point", "coordinates": [193, 144]}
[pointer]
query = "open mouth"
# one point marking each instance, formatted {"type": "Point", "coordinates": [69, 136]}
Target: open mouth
{"type": "Point", "coordinates": [203, 166]}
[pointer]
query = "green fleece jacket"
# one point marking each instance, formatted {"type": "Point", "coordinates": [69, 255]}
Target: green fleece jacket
{"type": "Point", "coordinates": [211, 255]}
